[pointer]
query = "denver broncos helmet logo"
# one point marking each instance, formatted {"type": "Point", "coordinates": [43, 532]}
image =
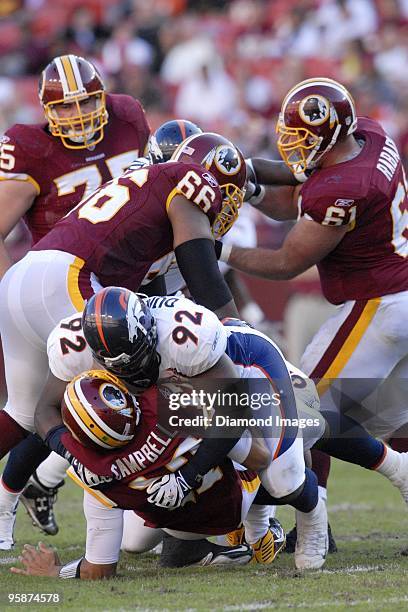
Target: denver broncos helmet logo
{"type": "Point", "coordinates": [227, 160]}
{"type": "Point", "coordinates": [314, 110]}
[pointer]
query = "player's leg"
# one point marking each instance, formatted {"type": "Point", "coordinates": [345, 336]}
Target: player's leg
{"type": "Point", "coordinates": [353, 352]}
{"type": "Point", "coordinates": [137, 538]}
{"type": "Point", "coordinates": [40, 494]}
{"type": "Point", "coordinates": [264, 534]}
{"type": "Point", "coordinates": [33, 298]}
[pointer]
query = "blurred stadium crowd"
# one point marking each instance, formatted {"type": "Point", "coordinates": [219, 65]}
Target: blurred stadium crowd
{"type": "Point", "coordinates": [225, 64]}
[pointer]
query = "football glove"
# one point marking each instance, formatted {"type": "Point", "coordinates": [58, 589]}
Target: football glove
{"type": "Point", "coordinates": [169, 491]}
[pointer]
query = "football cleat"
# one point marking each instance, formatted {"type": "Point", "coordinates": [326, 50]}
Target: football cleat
{"type": "Point", "coordinates": [7, 522]}
{"type": "Point", "coordinates": [292, 535]}
{"type": "Point", "coordinates": [236, 537]}
{"type": "Point", "coordinates": [269, 546]}
{"type": "Point", "coordinates": [183, 553]}
{"type": "Point", "coordinates": [39, 502]}
{"type": "Point", "coordinates": [312, 541]}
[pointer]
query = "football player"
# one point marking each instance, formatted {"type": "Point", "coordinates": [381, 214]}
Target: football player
{"type": "Point", "coordinates": [88, 137]}
{"type": "Point", "coordinates": [193, 342]}
{"type": "Point", "coordinates": [352, 223]}
{"type": "Point", "coordinates": [40, 493]}
{"type": "Point", "coordinates": [114, 236]}
{"type": "Point", "coordinates": [124, 441]}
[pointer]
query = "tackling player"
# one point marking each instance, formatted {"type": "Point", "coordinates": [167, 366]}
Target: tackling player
{"type": "Point", "coordinates": [88, 138]}
{"type": "Point", "coordinates": [352, 223]}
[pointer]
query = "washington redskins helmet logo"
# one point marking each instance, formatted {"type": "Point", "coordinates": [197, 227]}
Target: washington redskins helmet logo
{"type": "Point", "coordinates": [227, 160]}
{"type": "Point", "coordinates": [314, 110]}
{"type": "Point", "coordinates": [114, 397]}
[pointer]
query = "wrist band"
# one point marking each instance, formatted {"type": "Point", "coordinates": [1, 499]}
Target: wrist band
{"type": "Point", "coordinates": [257, 196]}
{"type": "Point", "coordinates": [71, 570]}
{"type": "Point", "coordinates": [225, 253]}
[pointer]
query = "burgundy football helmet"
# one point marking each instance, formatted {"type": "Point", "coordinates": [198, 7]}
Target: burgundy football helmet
{"type": "Point", "coordinates": [99, 411]}
{"type": "Point", "coordinates": [71, 80]}
{"type": "Point", "coordinates": [226, 164]}
{"type": "Point", "coordinates": [315, 114]}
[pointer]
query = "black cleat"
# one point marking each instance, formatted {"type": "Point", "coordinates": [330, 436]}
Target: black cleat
{"type": "Point", "coordinates": [291, 541]}
{"type": "Point", "coordinates": [39, 502]}
{"type": "Point", "coordinates": [182, 553]}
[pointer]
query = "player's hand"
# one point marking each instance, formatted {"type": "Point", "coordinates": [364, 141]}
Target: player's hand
{"type": "Point", "coordinates": [38, 561]}
{"type": "Point", "coordinates": [169, 491]}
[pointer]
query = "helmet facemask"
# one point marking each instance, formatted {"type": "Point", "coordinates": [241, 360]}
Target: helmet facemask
{"type": "Point", "coordinates": [82, 129]}
{"type": "Point", "coordinates": [231, 203]}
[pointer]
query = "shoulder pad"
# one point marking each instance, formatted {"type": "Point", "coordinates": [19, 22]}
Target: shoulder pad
{"type": "Point", "coordinates": [32, 140]}
{"type": "Point", "coordinates": [126, 108]}
{"type": "Point", "coordinates": [67, 350]}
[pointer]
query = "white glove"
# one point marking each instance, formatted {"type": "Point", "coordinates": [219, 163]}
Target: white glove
{"type": "Point", "coordinates": [169, 491]}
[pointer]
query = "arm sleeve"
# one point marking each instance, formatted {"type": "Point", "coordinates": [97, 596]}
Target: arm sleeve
{"type": "Point", "coordinates": [198, 265]}
{"type": "Point", "coordinates": [104, 528]}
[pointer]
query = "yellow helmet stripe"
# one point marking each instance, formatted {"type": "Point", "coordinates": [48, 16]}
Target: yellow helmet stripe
{"type": "Point", "coordinates": [69, 73]}
{"type": "Point", "coordinates": [86, 423]}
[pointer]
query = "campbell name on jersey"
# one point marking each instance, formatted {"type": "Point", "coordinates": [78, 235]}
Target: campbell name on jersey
{"type": "Point", "coordinates": [124, 227]}
{"type": "Point", "coordinates": [61, 176]}
{"type": "Point", "coordinates": [368, 194]}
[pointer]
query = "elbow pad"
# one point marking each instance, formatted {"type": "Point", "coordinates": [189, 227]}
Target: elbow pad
{"type": "Point", "coordinates": [198, 265]}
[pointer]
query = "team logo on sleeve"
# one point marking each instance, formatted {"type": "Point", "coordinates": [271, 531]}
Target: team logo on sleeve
{"type": "Point", "coordinates": [227, 160]}
{"type": "Point", "coordinates": [314, 110]}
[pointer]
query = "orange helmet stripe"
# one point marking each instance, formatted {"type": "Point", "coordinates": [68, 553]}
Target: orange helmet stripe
{"type": "Point", "coordinates": [182, 129]}
{"type": "Point", "coordinates": [98, 317]}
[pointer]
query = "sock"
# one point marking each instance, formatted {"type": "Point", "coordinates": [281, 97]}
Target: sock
{"type": "Point", "coordinates": [307, 500]}
{"type": "Point", "coordinates": [11, 433]}
{"type": "Point", "coordinates": [350, 442]}
{"type": "Point", "coordinates": [23, 460]}
{"type": "Point", "coordinates": [389, 464]}
{"type": "Point", "coordinates": [321, 466]}
{"type": "Point", "coordinates": [52, 471]}
{"type": "Point", "coordinates": [8, 499]}
{"type": "Point", "coordinates": [322, 492]}
{"type": "Point", "coordinates": [256, 523]}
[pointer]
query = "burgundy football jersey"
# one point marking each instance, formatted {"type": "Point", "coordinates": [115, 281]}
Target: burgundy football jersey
{"type": "Point", "coordinates": [369, 194]}
{"type": "Point", "coordinates": [61, 176]}
{"type": "Point", "coordinates": [123, 228]}
{"type": "Point", "coordinates": [214, 509]}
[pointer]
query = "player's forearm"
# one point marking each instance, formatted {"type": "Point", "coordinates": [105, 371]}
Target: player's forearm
{"type": "Point", "coordinates": [5, 260]}
{"type": "Point", "coordinates": [265, 263]}
{"type": "Point", "coordinates": [272, 172]}
{"type": "Point", "coordinates": [279, 202]}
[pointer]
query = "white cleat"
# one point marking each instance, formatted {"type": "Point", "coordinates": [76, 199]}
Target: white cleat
{"type": "Point", "coordinates": [312, 540]}
{"type": "Point", "coordinates": [7, 520]}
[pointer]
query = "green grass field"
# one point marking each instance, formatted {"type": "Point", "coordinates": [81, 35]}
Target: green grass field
{"type": "Point", "coordinates": [368, 573]}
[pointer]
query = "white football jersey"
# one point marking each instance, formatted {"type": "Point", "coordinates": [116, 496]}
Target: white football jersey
{"type": "Point", "coordinates": [68, 352]}
{"type": "Point", "coordinates": [191, 340]}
